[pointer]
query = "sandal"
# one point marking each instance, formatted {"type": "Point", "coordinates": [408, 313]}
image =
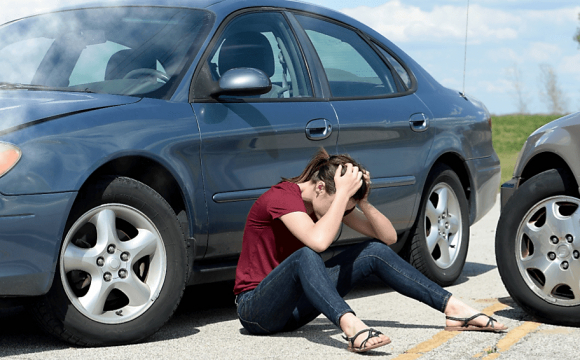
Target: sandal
{"type": "Point", "coordinates": [490, 326]}
{"type": "Point", "coordinates": [372, 333]}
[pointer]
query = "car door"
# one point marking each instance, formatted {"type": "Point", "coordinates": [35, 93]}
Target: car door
{"type": "Point", "coordinates": [248, 143]}
{"type": "Point", "coordinates": [383, 125]}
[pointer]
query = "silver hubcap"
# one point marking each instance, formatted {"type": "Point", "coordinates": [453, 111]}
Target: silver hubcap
{"type": "Point", "coordinates": [113, 264]}
{"type": "Point", "coordinates": [443, 225]}
{"type": "Point", "coordinates": [548, 252]}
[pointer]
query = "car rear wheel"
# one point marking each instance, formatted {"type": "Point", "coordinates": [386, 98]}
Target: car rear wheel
{"type": "Point", "coordinates": [439, 243]}
{"type": "Point", "coordinates": [122, 267]}
{"type": "Point", "coordinates": [538, 247]}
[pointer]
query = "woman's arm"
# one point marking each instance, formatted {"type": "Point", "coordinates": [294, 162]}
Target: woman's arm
{"type": "Point", "coordinates": [369, 221]}
{"type": "Point", "coordinates": [318, 236]}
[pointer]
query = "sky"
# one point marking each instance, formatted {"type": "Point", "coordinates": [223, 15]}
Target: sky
{"type": "Point", "coordinates": [504, 37]}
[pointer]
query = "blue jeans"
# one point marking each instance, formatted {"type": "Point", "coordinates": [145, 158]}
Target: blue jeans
{"type": "Point", "coordinates": [303, 286]}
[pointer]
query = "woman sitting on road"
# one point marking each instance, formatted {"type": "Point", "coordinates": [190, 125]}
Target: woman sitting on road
{"type": "Point", "coordinates": [282, 283]}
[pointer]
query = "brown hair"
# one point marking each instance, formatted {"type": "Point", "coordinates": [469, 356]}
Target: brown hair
{"type": "Point", "coordinates": [322, 167]}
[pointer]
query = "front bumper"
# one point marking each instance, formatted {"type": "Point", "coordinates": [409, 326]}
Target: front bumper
{"type": "Point", "coordinates": [507, 190]}
{"type": "Point", "coordinates": [486, 177]}
{"type": "Point", "coordinates": [31, 229]}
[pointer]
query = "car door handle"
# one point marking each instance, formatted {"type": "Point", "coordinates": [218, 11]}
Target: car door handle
{"type": "Point", "coordinates": [419, 122]}
{"type": "Point", "coordinates": [318, 129]}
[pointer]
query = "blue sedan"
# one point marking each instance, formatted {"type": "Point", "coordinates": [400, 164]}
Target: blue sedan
{"type": "Point", "coordinates": [134, 139]}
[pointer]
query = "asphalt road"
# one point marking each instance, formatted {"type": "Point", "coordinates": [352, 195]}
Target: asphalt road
{"type": "Point", "coordinates": [205, 325]}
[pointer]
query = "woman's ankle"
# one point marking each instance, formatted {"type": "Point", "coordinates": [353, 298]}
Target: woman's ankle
{"type": "Point", "coordinates": [455, 307]}
{"type": "Point", "coordinates": [350, 324]}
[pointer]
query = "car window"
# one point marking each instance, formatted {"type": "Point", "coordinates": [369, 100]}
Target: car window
{"type": "Point", "coordinates": [142, 51]}
{"type": "Point", "coordinates": [352, 67]}
{"type": "Point", "coordinates": [20, 60]}
{"type": "Point", "coordinates": [403, 74]}
{"type": "Point", "coordinates": [263, 41]}
{"type": "Point", "coordinates": [92, 63]}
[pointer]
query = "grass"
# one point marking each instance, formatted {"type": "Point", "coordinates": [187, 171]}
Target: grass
{"type": "Point", "coordinates": [509, 134]}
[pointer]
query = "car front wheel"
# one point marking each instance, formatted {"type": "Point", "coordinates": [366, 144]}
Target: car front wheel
{"type": "Point", "coordinates": [538, 247]}
{"type": "Point", "coordinates": [438, 247]}
{"type": "Point", "coordinates": [122, 267]}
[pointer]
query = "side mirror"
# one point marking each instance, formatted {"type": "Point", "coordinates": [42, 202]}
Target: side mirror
{"type": "Point", "coordinates": [243, 82]}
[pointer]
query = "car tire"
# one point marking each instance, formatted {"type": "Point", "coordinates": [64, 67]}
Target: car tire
{"type": "Point", "coordinates": [538, 264]}
{"type": "Point", "coordinates": [122, 267]}
{"type": "Point", "coordinates": [440, 237]}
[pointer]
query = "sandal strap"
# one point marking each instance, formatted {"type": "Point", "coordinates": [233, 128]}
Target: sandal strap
{"type": "Point", "coordinates": [467, 320]}
{"type": "Point", "coordinates": [372, 333]}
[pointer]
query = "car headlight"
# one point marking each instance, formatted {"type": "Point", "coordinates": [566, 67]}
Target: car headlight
{"type": "Point", "coordinates": [9, 156]}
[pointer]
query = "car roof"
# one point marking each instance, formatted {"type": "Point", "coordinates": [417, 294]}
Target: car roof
{"type": "Point", "coordinates": [221, 7]}
{"type": "Point", "coordinates": [199, 4]}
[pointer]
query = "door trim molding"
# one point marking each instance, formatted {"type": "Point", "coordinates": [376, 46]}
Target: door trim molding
{"type": "Point", "coordinates": [254, 194]}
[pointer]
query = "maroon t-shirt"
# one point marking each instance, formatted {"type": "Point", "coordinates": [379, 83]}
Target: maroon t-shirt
{"type": "Point", "coordinates": [267, 241]}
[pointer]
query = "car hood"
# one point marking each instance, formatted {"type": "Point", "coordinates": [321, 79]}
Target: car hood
{"type": "Point", "coordinates": [565, 121]}
{"type": "Point", "coordinates": [23, 108]}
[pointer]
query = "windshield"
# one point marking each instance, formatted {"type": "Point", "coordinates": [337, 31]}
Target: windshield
{"type": "Point", "coordinates": [140, 51]}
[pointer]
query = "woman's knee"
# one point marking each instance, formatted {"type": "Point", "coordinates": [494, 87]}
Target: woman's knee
{"type": "Point", "coordinates": [379, 249]}
{"type": "Point", "coordinates": [307, 254]}
{"type": "Point", "coordinates": [308, 258]}
{"type": "Point", "coordinates": [376, 245]}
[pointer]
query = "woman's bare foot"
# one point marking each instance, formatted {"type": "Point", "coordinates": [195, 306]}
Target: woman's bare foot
{"type": "Point", "coordinates": [351, 325]}
{"type": "Point", "coordinates": [459, 310]}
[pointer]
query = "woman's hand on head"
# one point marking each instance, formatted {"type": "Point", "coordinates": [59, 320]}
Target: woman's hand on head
{"type": "Point", "coordinates": [367, 179]}
{"type": "Point", "coordinates": [349, 183]}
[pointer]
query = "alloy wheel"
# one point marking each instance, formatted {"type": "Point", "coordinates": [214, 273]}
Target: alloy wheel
{"type": "Point", "coordinates": [113, 264]}
{"type": "Point", "coordinates": [443, 229]}
{"type": "Point", "coordinates": [548, 251]}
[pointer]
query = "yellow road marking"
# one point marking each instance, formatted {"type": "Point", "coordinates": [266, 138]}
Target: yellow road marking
{"type": "Point", "coordinates": [490, 310]}
{"type": "Point", "coordinates": [439, 339]}
{"type": "Point", "coordinates": [408, 356]}
{"type": "Point", "coordinates": [512, 338]}
{"type": "Point", "coordinates": [442, 337]}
